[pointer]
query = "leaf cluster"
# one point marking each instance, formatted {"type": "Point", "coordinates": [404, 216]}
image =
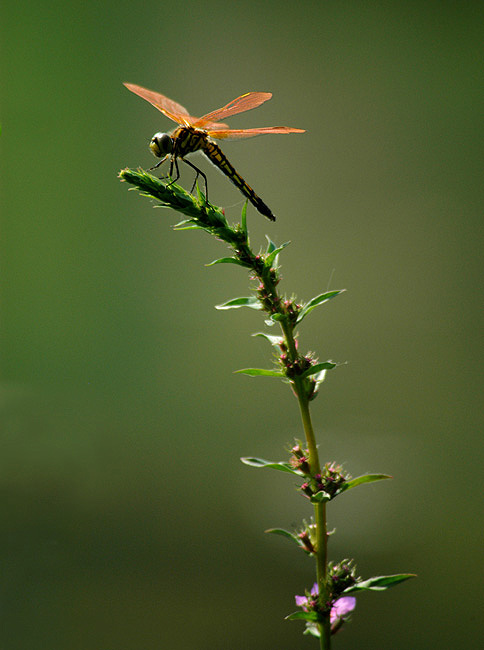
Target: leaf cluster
{"type": "Point", "coordinates": [318, 496]}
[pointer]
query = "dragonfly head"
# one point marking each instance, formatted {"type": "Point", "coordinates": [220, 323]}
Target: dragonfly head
{"type": "Point", "coordinates": [161, 144]}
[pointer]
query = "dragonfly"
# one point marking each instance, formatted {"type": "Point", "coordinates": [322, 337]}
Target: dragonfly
{"type": "Point", "coordinates": [198, 133]}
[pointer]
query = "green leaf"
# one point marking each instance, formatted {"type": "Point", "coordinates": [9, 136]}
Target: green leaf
{"type": "Point", "coordinates": [278, 317]}
{"type": "Point", "coordinates": [380, 583]}
{"type": "Point", "coordinates": [243, 223]}
{"type": "Point", "coordinates": [201, 196]}
{"type": "Point", "coordinates": [313, 631]}
{"type": "Point", "coordinates": [226, 260]}
{"type": "Point", "coordinates": [361, 480]}
{"type": "Point", "coordinates": [286, 533]}
{"type": "Point", "coordinates": [320, 497]}
{"type": "Point", "coordinates": [312, 617]}
{"type": "Point", "coordinates": [260, 372]}
{"type": "Point", "coordinates": [260, 462]}
{"type": "Point", "coordinates": [270, 258]}
{"type": "Point", "coordinates": [251, 301]}
{"type": "Point", "coordinates": [271, 246]}
{"type": "Point", "coordinates": [273, 340]}
{"type": "Point", "coordinates": [186, 224]}
{"type": "Point", "coordinates": [317, 368]}
{"type": "Point", "coordinates": [319, 378]}
{"type": "Point", "coordinates": [314, 302]}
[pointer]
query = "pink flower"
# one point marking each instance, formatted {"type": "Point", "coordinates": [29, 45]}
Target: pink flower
{"type": "Point", "coordinates": [340, 609]}
{"type": "Point", "coordinates": [305, 602]}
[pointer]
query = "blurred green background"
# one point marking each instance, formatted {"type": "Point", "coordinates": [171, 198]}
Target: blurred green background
{"type": "Point", "coordinates": [127, 521]}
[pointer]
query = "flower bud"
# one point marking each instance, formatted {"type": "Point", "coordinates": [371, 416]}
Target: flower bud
{"type": "Point", "coordinates": [341, 575]}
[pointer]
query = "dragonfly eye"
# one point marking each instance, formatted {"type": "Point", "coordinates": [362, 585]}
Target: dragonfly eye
{"type": "Point", "coordinates": [161, 144]}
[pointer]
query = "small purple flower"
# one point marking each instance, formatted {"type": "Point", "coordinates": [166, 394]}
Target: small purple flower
{"type": "Point", "coordinates": [306, 602]}
{"type": "Point", "coordinates": [340, 609]}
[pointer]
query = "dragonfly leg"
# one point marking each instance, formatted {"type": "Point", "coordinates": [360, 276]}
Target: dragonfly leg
{"type": "Point", "coordinates": [199, 173]}
{"type": "Point", "coordinates": [171, 169]}
{"type": "Point", "coordinates": [158, 164]}
{"type": "Point", "coordinates": [174, 163]}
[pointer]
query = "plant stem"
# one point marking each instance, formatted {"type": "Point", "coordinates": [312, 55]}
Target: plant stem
{"type": "Point", "coordinates": [319, 508]}
{"type": "Point", "coordinates": [321, 565]}
{"type": "Point", "coordinates": [321, 525]}
{"type": "Point", "coordinates": [213, 220]}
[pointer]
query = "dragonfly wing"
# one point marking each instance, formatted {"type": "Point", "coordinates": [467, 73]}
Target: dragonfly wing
{"type": "Point", "coordinates": [237, 134]}
{"type": "Point", "coordinates": [168, 107]}
{"type": "Point", "coordinates": [212, 126]}
{"type": "Point", "coordinates": [239, 105]}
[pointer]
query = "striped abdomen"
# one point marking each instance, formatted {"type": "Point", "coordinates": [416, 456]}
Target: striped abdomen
{"type": "Point", "coordinates": [213, 151]}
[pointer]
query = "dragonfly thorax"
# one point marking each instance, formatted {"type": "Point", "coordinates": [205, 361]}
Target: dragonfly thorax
{"type": "Point", "coordinates": [161, 144]}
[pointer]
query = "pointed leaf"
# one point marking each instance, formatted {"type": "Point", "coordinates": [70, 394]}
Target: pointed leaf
{"type": "Point", "coordinates": [319, 378]}
{"type": "Point", "coordinates": [366, 478]}
{"type": "Point", "coordinates": [260, 372]}
{"type": "Point", "coordinates": [312, 617]}
{"type": "Point", "coordinates": [183, 222]}
{"type": "Point", "coordinates": [273, 340]}
{"type": "Point", "coordinates": [270, 258]}
{"type": "Point", "coordinates": [189, 228]}
{"type": "Point", "coordinates": [278, 317]}
{"type": "Point", "coordinates": [235, 303]}
{"type": "Point", "coordinates": [286, 533]}
{"type": "Point", "coordinates": [243, 222]}
{"type": "Point", "coordinates": [318, 367]}
{"type": "Point", "coordinates": [312, 630]}
{"type": "Point", "coordinates": [186, 224]}
{"type": "Point", "coordinates": [226, 260]}
{"type": "Point", "coordinates": [260, 462]}
{"type": "Point", "coordinates": [201, 196]}
{"type": "Point", "coordinates": [380, 583]}
{"type": "Point", "coordinates": [314, 302]}
{"type": "Point", "coordinates": [320, 497]}
{"type": "Point", "coordinates": [270, 246]}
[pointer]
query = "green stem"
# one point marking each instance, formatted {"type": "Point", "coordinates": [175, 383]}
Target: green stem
{"type": "Point", "coordinates": [319, 508]}
{"type": "Point", "coordinates": [321, 564]}
{"type": "Point", "coordinates": [321, 525]}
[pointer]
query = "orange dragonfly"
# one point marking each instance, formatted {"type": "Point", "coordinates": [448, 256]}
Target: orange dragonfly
{"type": "Point", "coordinates": [196, 133]}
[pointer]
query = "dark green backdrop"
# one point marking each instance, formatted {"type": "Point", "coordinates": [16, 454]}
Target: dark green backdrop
{"type": "Point", "coordinates": [127, 521]}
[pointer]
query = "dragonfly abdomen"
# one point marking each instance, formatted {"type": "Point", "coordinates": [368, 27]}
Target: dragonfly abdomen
{"type": "Point", "coordinates": [213, 151]}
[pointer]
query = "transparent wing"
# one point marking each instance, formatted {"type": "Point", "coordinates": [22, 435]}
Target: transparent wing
{"type": "Point", "coordinates": [241, 104]}
{"type": "Point", "coordinates": [168, 107]}
{"type": "Point", "coordinates": [237, 134]}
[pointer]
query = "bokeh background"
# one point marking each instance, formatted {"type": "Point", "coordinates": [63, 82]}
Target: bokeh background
{"type": "Point", "coordinates": [127, 521]}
